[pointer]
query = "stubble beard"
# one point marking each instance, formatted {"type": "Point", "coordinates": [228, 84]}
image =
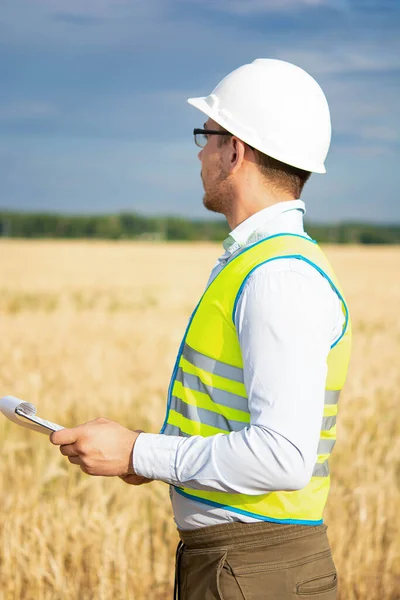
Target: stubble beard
{"type": "Point", "coordinates": [218, 197]}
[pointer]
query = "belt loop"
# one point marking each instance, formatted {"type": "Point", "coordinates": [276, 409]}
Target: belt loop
{"type": "Point", "coordinates": [178, 555]}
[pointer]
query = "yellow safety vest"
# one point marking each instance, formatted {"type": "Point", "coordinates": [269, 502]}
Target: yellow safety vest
{"type": "Point", "coordinates": [207, 394]}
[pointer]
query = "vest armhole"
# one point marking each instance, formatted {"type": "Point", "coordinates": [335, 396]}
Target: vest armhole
{"type": "Point", "coordinates": [321, 271]}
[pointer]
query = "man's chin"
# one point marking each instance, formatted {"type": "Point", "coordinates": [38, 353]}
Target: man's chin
{"type": "Point", "coordinates": [211, 204]}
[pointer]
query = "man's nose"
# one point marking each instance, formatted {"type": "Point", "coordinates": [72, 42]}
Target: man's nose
{"type": "Point", "coordinates": [199, 154]}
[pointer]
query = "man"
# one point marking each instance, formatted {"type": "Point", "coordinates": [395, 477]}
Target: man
{"type": "Point", "coordinates": [252, 404]}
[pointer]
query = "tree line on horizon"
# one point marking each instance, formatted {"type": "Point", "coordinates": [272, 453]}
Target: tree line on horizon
{"type": "Point", "coordinates": [140, 227]}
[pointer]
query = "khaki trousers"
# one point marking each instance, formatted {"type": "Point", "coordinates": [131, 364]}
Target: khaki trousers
{"type": "Point", "coordinates": [255, 561]}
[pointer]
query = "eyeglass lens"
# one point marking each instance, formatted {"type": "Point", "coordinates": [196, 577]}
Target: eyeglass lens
{"type": "Point", "coordinates": [200, 139]}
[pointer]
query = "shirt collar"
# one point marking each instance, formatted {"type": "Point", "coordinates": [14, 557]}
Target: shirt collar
{"type": "Point", "coordinates": [239, 237]}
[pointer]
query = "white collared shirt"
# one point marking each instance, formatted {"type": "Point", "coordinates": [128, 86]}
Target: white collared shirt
{"type": "Point", "coordinates": [287, 318]}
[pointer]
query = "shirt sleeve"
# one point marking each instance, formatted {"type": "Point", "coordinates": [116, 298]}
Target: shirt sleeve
{"type": "Point", "coordinates": [286, 319]}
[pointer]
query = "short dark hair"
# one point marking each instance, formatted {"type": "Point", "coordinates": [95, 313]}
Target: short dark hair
{"type": "Point", "coordinates": [283, 176]}
{"type": "Point", "coordinates": [279, 174]}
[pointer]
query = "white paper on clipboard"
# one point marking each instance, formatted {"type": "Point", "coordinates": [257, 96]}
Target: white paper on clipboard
{"type": "Point", "coordinates": [24, 414]}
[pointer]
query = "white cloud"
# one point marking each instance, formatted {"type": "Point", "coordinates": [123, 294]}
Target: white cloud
{"type": "Point", "coordinates": [248, 7]}
{"type": "Point", "coordinates": [90, 8]}
{"type": "Point", "coordinates": [325, 54]}
{"type": "Point", "coordinates": [81, 23]}
{"type": "Point", "coordinates": [99, 9]}
{"type": "Point", "coordinates": [28, 109]}
{"type": "Point", "coordinates": [380, 133]}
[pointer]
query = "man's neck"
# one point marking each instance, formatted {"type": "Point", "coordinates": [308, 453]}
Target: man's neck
{"type": "Point", "coordinates": [240, 211]}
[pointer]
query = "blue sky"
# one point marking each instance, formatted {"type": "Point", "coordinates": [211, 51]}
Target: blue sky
{"type": "Point", "coordinates": [93, 112]}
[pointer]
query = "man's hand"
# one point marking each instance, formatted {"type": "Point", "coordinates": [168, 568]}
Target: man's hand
{"type": "Point", "coordinates": [99, 447]}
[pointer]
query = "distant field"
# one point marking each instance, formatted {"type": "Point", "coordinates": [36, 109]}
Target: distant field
{"type": "Point", "coordinates": [92, 329]}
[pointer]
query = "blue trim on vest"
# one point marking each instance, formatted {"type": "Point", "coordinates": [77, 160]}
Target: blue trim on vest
{"type": "Point", "coordinates": [195, 310]}
{"type": "Point", "coordinates": [245, 512]}
{"type": "Point", "coordinates": [299, 257]}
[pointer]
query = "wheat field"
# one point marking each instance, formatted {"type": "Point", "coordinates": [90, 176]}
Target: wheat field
{"type": "Point", "coordinates": [92, 329]}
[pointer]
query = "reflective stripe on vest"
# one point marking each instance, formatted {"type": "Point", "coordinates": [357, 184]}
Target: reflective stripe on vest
{"type": "Point", "coordinates": [332, 396]}
{"type": "Point", "coordinates": [207, 394]}
{"type": "Point", "coordinates": [321, 469]}
{"type": "Point", "coordinates": [211, 365]}
{"type": "Point", "coordinates": [219, 396]}
{"type": "Point", "coordinates": [208, 417]}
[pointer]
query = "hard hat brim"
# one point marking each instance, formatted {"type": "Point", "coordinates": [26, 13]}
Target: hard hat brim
{"type": "Point", "coordinates": [204, 107]}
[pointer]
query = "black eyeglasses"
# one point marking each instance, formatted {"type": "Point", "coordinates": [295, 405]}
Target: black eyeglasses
{"type": "Point", "coordinates": [200, 135]}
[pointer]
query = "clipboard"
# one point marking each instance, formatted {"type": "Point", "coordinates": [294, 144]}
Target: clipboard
{"type": "Point", "coordinates": [24, 414]}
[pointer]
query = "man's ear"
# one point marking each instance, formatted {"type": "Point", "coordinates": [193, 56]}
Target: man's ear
{"type": "Point", "coordinates": [237, 154]}
{"type": "Point", "coordinates": [234, 154]}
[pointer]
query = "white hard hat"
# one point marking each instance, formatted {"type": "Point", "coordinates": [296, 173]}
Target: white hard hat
{"type": "Point", "coordinates": [275, 107]}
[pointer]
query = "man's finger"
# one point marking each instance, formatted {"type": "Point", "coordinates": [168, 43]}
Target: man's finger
{"type": "Point", "coordinates": [69, 450]}
{"type": "Point", "coordinates": [75, 460]}
{"type": "Point", "coordinates": [64, 436]}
